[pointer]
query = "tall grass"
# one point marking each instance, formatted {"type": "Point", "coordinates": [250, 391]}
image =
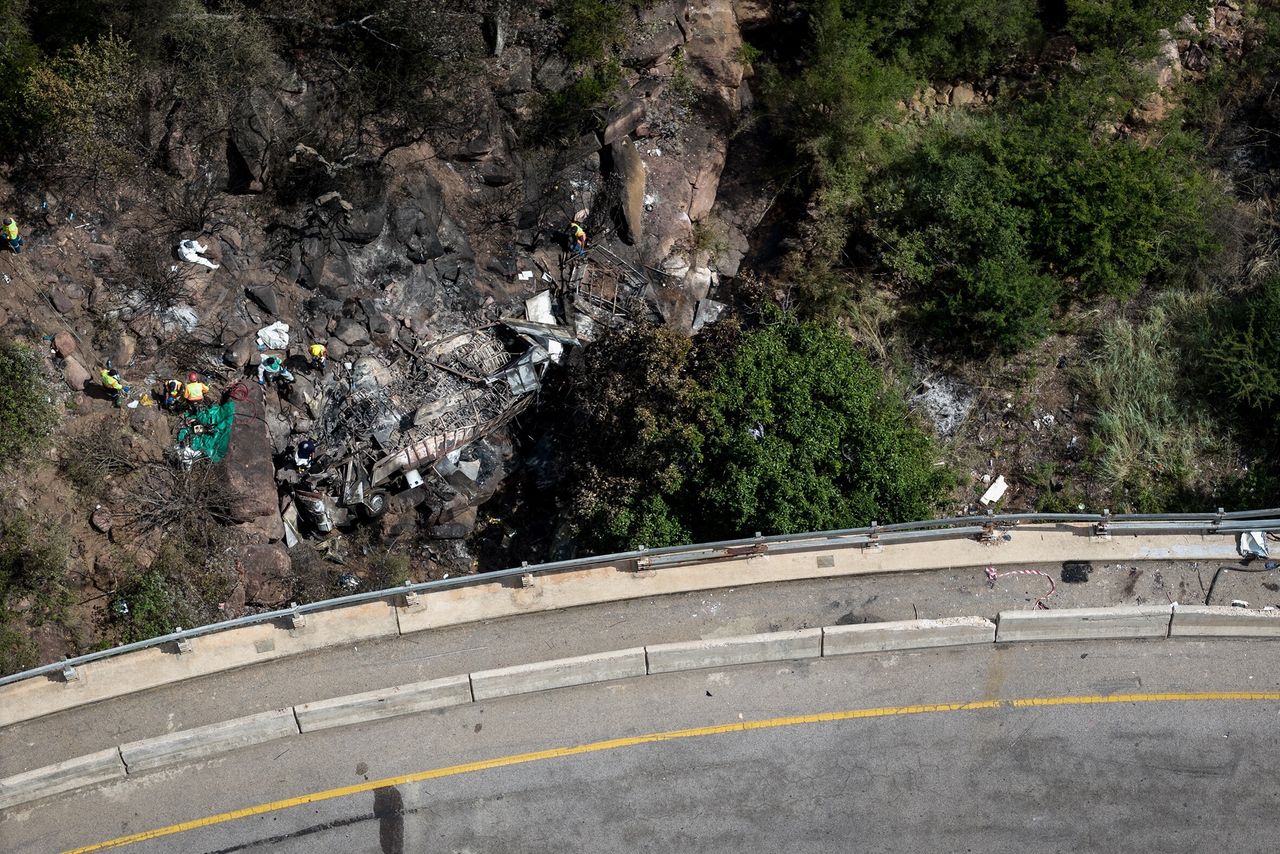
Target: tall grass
{"type": "Point", "coordinates": [1158, 449]}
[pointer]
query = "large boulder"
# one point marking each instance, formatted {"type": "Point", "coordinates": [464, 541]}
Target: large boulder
{"type": "Point", "coordinates": [76, 375]}
{"type": "Point", "coordinates": [249, 469]}
{"type": "Point", "coordinates": [416, 217]}
{"type": "Point", "coordinates": [631, 173]}
{"type": "Point", "coordinates": [259, 125]}
{"type": "Point", "coordinates": [268, 575]}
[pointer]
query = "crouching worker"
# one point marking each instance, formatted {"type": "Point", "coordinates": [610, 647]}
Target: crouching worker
{"type": "Point", "coordinates": [577, 240]}
{"type": "Point", "coordinates": [172, 395]}
{"type": "Point", "coordinates": [194, 391]}
{"type": "Point", "coordinates": [303, 453]}
{"type": "Point", "coordinates": [319, 356]}
{"type": "Point", "coordinates": [273, 369]}
{"type": "Point", "coordinates": [116, 389]}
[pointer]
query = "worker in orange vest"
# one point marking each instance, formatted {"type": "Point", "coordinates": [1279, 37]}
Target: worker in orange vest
{"type": "Point", "coordinates": [194, 391]}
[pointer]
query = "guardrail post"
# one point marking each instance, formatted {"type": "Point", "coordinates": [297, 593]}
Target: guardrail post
{"type": "Point", "coordinates": [1217, 519]}
{"type": "Point", "coordinates": [184, 644]}
{"type": "Point", "coordinates": [296, 620]}
{"type": "Point", "coordinates": [873, 538]}
{"type": "Point", "coordinates": [1103, 528]}
{"type": "Point", "coordinates": [69, 673]}
{"type": "Point", "coordinates": [412, 601]}
{"type": "Point", "coordinates": [526, 580]}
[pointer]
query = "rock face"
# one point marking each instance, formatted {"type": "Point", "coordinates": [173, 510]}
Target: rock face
{"type": "Point", "coordinates": [630, 169]}
{"type": "Point", "coordinates": [248, 464]}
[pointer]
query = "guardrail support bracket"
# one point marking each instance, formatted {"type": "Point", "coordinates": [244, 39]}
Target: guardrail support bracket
{"type": "Point", "coordinates": [296, 620]}
{"type": "Point", "coordinates": [526, 580]}
{"type": "Point", "coordinates": [183, 644]}
{"type": "Point", "coordinates": [70, 674]}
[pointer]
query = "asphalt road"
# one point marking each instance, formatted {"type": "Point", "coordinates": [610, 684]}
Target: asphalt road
{"type": "Point", "coordinates": [595, 628]}
{"type": "Point", "coordinates": [1149, 772]}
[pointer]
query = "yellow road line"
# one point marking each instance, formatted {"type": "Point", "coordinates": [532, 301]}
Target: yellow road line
{"type": "Point", "coordinates": [693, 732]}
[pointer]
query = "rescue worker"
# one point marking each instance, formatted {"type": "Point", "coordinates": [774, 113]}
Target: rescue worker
{"type": "Point", "coordinates": [172, 394]}
{"type": "Point", "coordinates": [114, 385]}
{"type": "Point", "coordinates": [302, 455]}
{"type": "Point", "coordinates": [194, 391]}
{"type": "Point", "coordinates": [11, 236]}
{"type": "Point", "coordinates": [319, 356]}
{"type": "Point", "coordinates": [577, 240]}
{"type": "Point", "coordinates": [272, 368]}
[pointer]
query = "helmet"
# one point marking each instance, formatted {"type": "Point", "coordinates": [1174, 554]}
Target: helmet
{"type": "Point", "coordinates": [193, 377]}
{"type": "Point", "coordinates": [8, 221]}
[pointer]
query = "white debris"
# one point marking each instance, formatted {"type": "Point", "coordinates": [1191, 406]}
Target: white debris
{"type": "Point", "coordinates": [538, 308]}
{"type": "Point", "coordinates": [995, 492]}
{"type": "Point", "coordinates": [274, 337]}
{"type": "Point", "coordinates": [192, 252]}
{"type": "Point", "coordinates": [1253, 543]}
{"type": "Point", "coordinates": [524, 275]}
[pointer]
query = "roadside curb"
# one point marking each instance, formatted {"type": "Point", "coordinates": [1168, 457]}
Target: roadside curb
{"type": "Point", "coordinates": [398, 614]}
{"type": "Point", "coordinates": [1156, 622]}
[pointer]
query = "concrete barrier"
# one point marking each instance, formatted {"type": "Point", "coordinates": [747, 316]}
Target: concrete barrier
{"type": "Point", "coordinates": [100, 767]}
{"type": "Point", "coordinates": [1142, 621]}
{"type": "Point", "coordinates": [558, 673]}
{"type": "Point", "coordinates": [1217, 621]}
{"type": "Point", "coordinates": [906, 634]}
{"type": "Point", "coordinates": [191, 744]}
{"type": "Point", "coordinates": [386, 703]}
{"type": "Point", "coordinates": [746, 649]}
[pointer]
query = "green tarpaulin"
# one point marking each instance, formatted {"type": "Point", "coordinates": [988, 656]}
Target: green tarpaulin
{"type": "Point", "coordinates": [214, 441]}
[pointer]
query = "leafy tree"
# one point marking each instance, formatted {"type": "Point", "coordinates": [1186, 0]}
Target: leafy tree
{"type": "Point", "coordinates": [778, 430]}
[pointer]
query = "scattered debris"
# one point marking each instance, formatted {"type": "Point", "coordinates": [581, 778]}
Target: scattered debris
{"type": "Point", "coordinates": [1040, 605]}
{"type": "Point", "coordinates": [1253, 544]}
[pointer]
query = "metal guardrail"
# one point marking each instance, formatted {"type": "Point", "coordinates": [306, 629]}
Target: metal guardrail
{"type": "Point", "coordinates": [955, 527]}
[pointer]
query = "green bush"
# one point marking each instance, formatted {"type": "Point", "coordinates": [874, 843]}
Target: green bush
{"type": "Point", "coordinates": [956, 233]}
{"type": "Point", "coordinates": [175, 590]}
{"type": "Point", "coordinates": [26, 409]}
{"type": "Point", "coordinates": [1242, 358]}
{"type": "Point", "coordinates": [777, 430]}
{"type": "Point", "coordinates": [33, 562]}
{"type": "Point", "coordinates": [1127, 25]}
{"type": "Point", "coordinates": [944, 39]}
{"type": "Point", "coordinates": [593, 29]}
{"type": "Point", "coordinates": [566, 115]}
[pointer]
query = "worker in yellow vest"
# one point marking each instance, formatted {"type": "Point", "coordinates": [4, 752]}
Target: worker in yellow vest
{"type": "Point", "coordinates": [577, 239]}
{"type": "Point", "coordinates": [319, 356]}
{"type": "Point", "coordinates": [11, 236]}
{"type": "Point", "coordinates": [194, 391]}
{"type": "Point", "coordinates": [115, 387]}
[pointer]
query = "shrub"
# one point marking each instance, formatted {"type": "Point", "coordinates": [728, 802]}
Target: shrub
{"type": "Point", "coordinates": [1128, 25]}
{"type": "Point", "coordinates": [26, 408]}
{"type": "Point", "coordinates": [33, 559]}
{"type": "Point", "coordinates": [956, 233]}
{"type": "Point", "coordinates": [948, 38]}
{"type": "Point", "coordinates": [82, 106]}
{"type": "Point", "coordinates": [593, 29]}
{"type": "Point", "coordinates": [778, 430]}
